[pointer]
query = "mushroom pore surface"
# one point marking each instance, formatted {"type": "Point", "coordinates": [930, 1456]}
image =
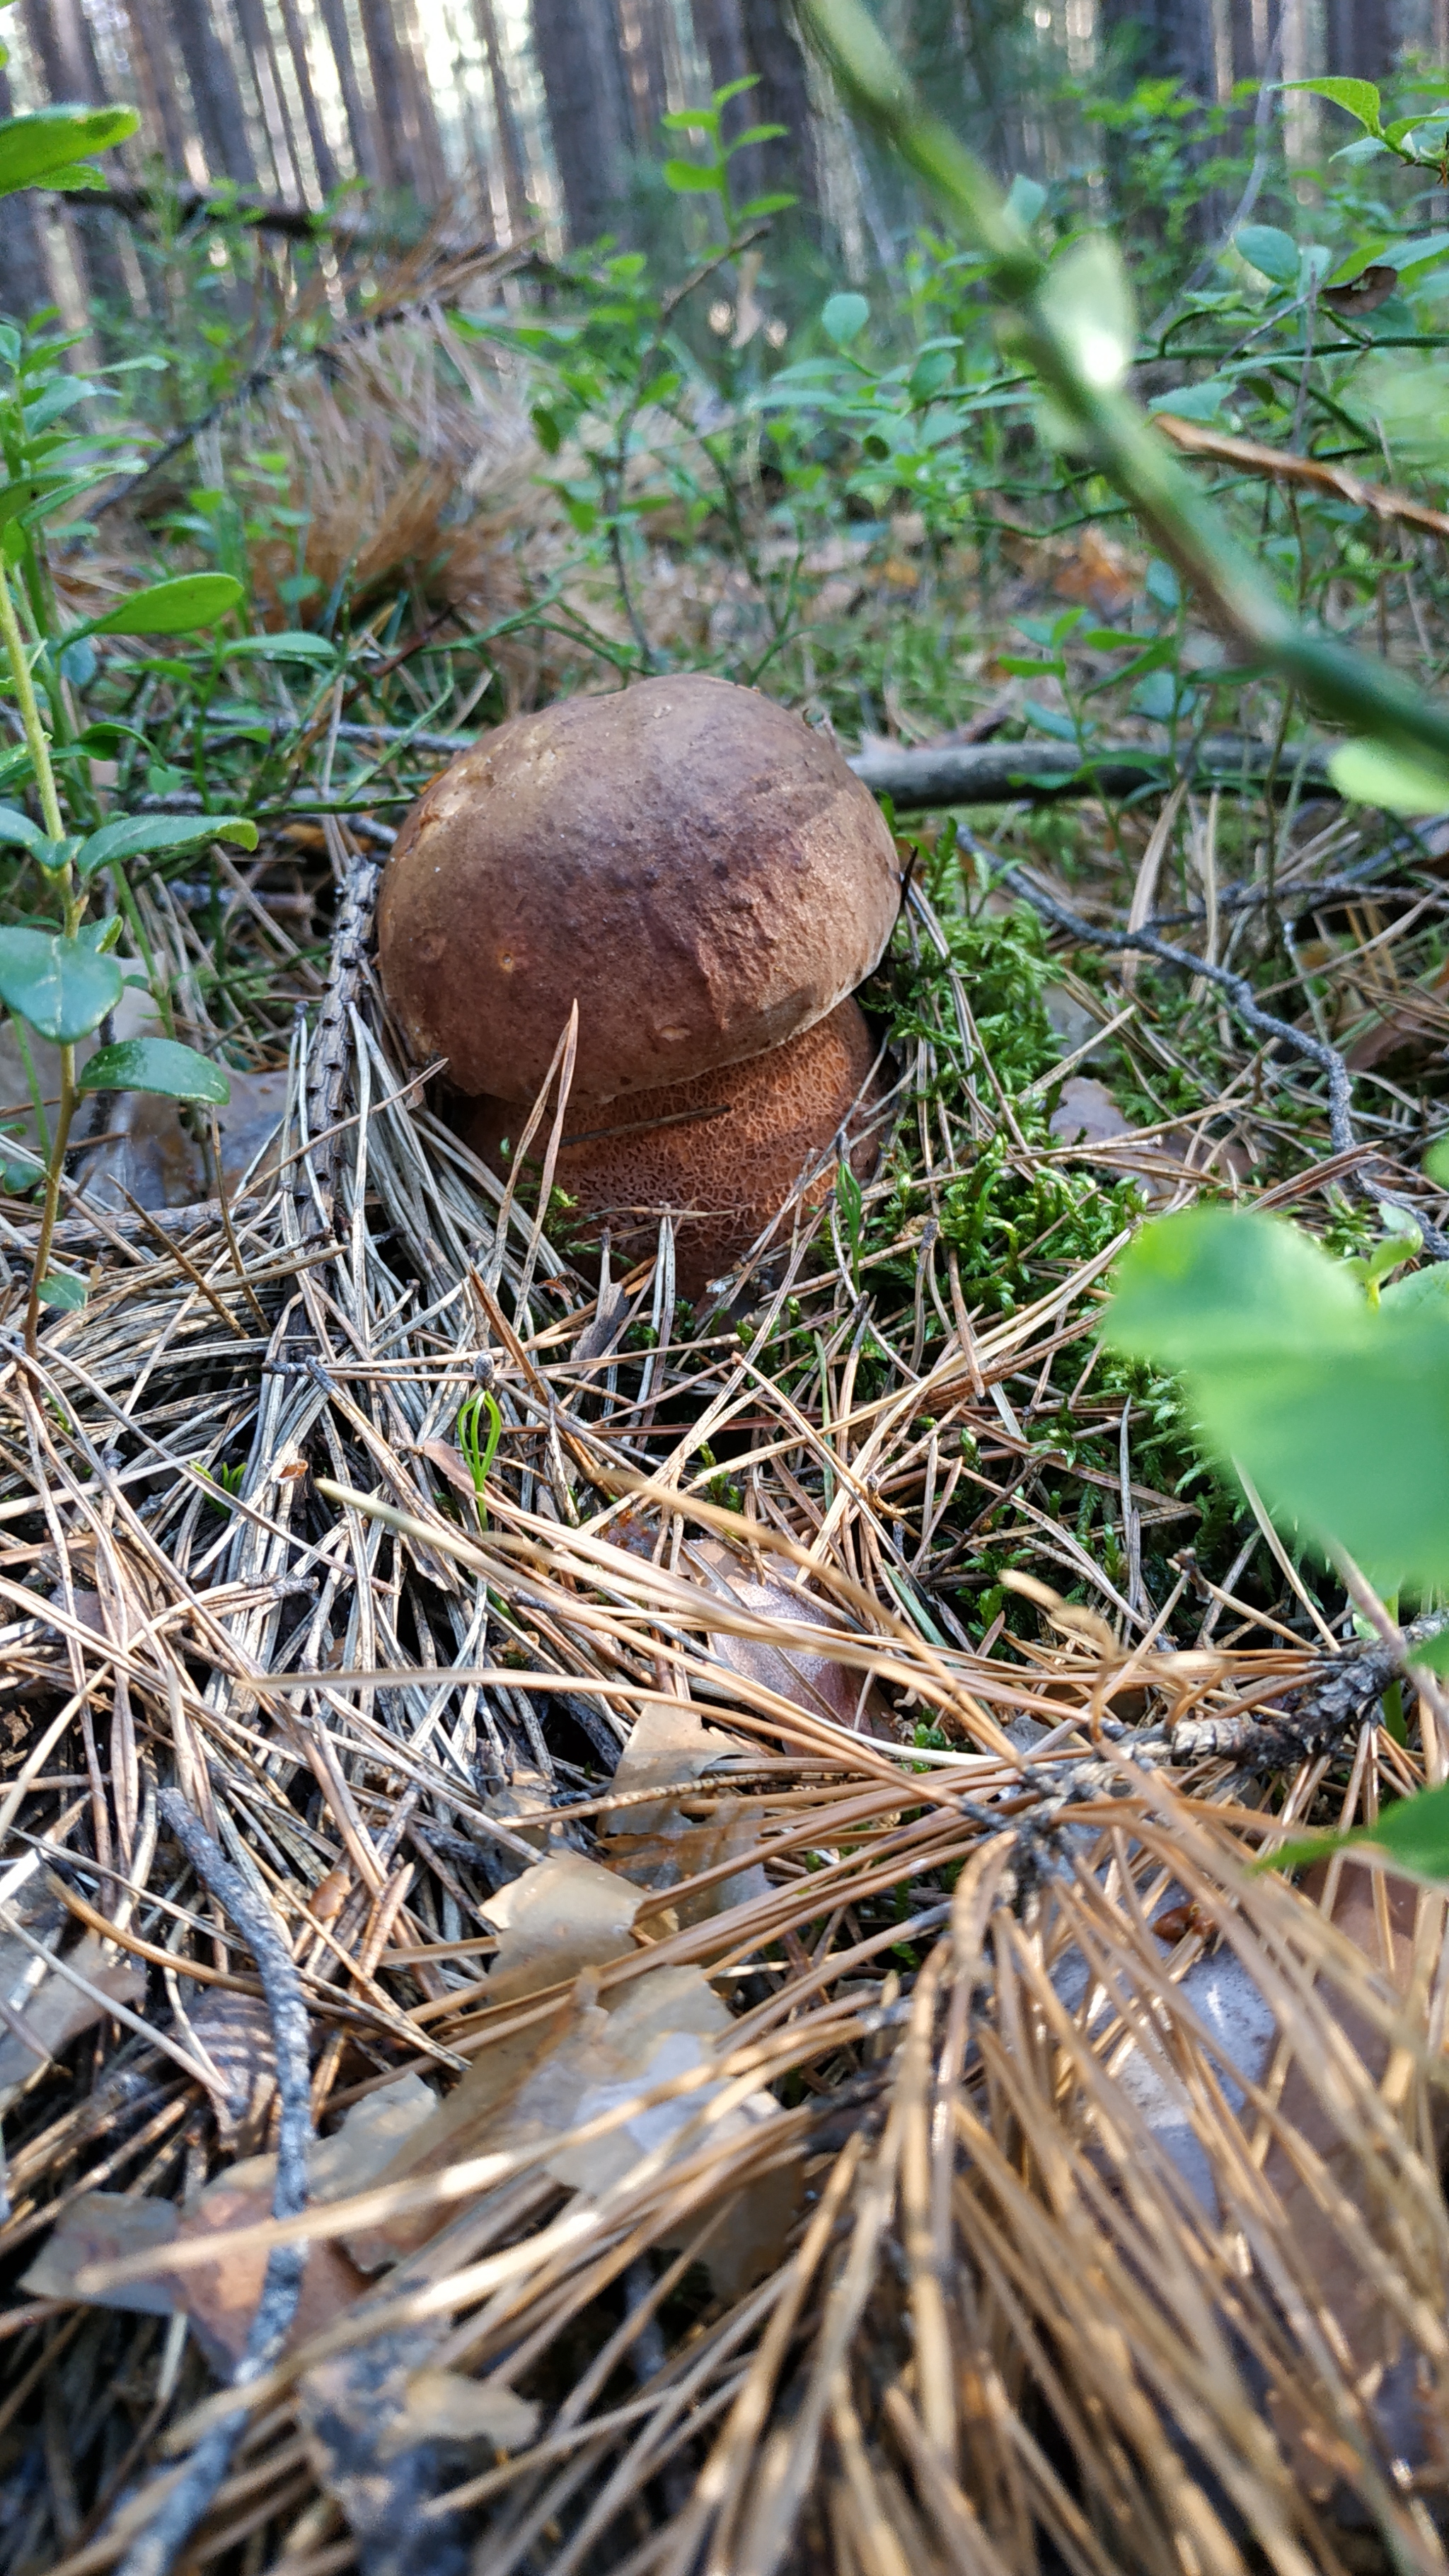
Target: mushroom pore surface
{"type": "Point", "coordinates": [737, 1142]}
{"type": "Point", "coordinates": [688, 860]}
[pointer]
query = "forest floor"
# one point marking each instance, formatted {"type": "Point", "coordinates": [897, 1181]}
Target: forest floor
{"type": "Point", "coordinates": [793, 2071]}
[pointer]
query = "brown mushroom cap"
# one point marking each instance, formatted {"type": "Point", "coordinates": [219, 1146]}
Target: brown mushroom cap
{"type": "Point", "coordinates": [689, 860]}
{"type": "Point", "coordinates": [721, 1176]}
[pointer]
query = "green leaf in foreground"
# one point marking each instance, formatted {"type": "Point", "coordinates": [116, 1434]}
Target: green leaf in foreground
{"type": "Point", "coordinates": [1272, 253]}
{"type": "Point", "coordinates": [58, 1288]}
{"type": "Point", "coordinates": [1337, 1410]}
{"type": "Point", "coordinates": [35, 148]}
{"type": "Point", "coordinates": [132, 836]}
{"type": "Point", "coordinates": [1413, 1836]}
{"type": "Point", "coordinates": [1370, 773]}
{"type": "Point", "coordinates": [155, 1064]}
{"type": "Point", "coordinates": [170, 607]}
{"type": "Point", "coordinates": [1358, 98]}
{"type": "Point", "coordinates": [61, 986]}
{"type": "Point", "coordinates": [1432, 1652]}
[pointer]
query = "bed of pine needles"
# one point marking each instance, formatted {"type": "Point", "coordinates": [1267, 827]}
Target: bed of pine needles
{"type": "Point", "coordinates": [1051, 2193]}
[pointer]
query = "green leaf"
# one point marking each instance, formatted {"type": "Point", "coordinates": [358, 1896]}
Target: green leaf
{"type": "Point", "coordinates": [1088, 306]}
{"type": "Point", "coordinates": [58, 1288]}
{"type": "Point", "coordinates": [773, 205]}
{"type": "Point", "coordinates": [155, 1064]}
{"type": "Point", "coordinates": [1025, 199]}
{"type": "Point", "coordinates": [1202, 401]}
{"type": "Point", "coordinates": [1358, 98]}
{"type": "Point", "coordinates": [1338, 1411]}
{"type": "Point", "coordinates": [131, 836]}
{"type": "Point", "coordinates": [1415, 1833]}
{"type": "Point", "coordinates": [1436, 1162]}
{"type": "Point", "coordinates": [294, 646]}
{"type": "Point", "coordinates": [61, 986]}
{"type": "Point", "coordinates": [17, 829]}
{"type": "Point", "coordinates": [1432, 1652]}
{"type": "Point", "coordinates": [686, 178]}
{"type": "Point", "coordinates": [843, 318]}
{"type": "Point", "coordinates": [1272, 253]}
{"type": "Point", "coordinates": [32, 148]}
{"type": "Point", "coordinates": [1370, 773]}
{"type": "Point", "coordinates": [170, 607]}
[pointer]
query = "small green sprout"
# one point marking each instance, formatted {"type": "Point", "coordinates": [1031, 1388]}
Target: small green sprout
{"type": "Point", "coordinates": [479, 1449]}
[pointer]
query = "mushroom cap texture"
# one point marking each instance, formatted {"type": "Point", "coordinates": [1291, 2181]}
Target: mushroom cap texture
{"type": "Point", "coordinates": [688, 860]}
{"type": "Point", "coordinates": [720, 1177]}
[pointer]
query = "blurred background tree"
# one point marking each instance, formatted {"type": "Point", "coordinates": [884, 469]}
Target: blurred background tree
{"type": "Point", "coordinates": [502, 117]}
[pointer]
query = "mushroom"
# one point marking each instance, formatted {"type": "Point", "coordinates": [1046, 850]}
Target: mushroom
{"type": "Point", "coordinates": [693, 864]}
{"type": "Point", "coordinates": [720, 1153]}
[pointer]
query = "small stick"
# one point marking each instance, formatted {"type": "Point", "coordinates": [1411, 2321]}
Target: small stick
{"type": "Point", "coordinates": [159, 2544]}
{"type": "Point", "coordinates": [184, 1262]}
{"type": "Point", "coordinates": [232, 1245]}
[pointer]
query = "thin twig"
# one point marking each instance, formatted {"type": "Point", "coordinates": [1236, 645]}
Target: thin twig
{"type": "Point", "coordinates": [183, 2507]}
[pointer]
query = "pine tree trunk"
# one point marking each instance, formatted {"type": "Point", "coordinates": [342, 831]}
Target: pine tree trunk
{"type": "Point", "coordinates": [359, 124]}
{"type": "Point", "coordinates": [1359, 39]}
{"type": "Point", "coordinates": [24, 272]}
{"type": "Point", "coordinates": [781, 96]}
{"type": "Point", "coordinates": [1243, 40]}
{"type": "Point", "coordinates": [323, 161]}
{"type": "Point", "coordinates": [215, 96]}
{"type": "Point", "coordinates": [257, 47]}
{"type": "Point", "coordinates": [1172, 40]}
{"type": "Point", "coordinates": [396, 168]}
{"type": "Point", "coordinates": [61, 39]}
{"type": "Point", "coordinates": [505, 119]}
{"type": "Point", "coordinates": [576, 42]}
{"type": "Point", "coordinates": [155, 78]}
{"type": "Point", "coordinates": [430, 160]}
{"type": "Point", "coordinates": [721, 37]}
{"type": "Point", "coordinates": [645, 73]}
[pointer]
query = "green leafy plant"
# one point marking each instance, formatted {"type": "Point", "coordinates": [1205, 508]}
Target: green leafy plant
{"type": "Point", "coordinates": [709, 175]}
{"type": "Point", "coordinates": [52, 148]}
{"type": "Point", "coordinates": [60, 977]}
{"type": "Point", "coordinates": [1329, 1394]}
{"type": "Point", "coordinates": [1421, 142]}
{"type": "Point", "coordinates": [1070, 320]}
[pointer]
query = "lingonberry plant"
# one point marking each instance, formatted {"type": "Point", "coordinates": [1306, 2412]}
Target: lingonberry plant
{"type": "Point", "coordinates": [60, 975]}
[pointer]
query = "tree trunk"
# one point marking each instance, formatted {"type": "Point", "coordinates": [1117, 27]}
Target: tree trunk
{"type": "Point", "coordinates": [576, 42]}
{"type": "Point", "coordinates": [60, 37]}
{"type": "Point", "coordinates": [646, 71]}
{"type": "Point", "coordinates": [1359, 39]}
{"type": "Point", "coordinates": [359, 124]}
{"type": "Point", "coordinates": [155, 78]}
{"type": "Point", "coordinates": [781, 96]}
{"type": "Point", "coordinates": [1243, 40]}
{"type": "Point", "coordinates": [396, 167]}
{"type": "Point", "coordinates": [429, 159]}
{"type": "Point", "coordinates": [24, 273]}
{"type": "Point", "coordinates": [721, 38]}
{"type": "Point", "coordinates": [1165, 40]}
{"type": "Point", "coordinates": [323, 161]}
{"type": "Point", "coordinates": [257, 46]}
{"type": "Point", "coordinates": [505, 119]}
{"type": "Point", "coordinates": [215, 96]}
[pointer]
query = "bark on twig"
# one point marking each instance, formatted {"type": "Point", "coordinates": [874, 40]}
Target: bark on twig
{"type": "Point", "coordinates": [1319, 1716]}
{"type": "Point", "coordinates": [167, 2534]}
